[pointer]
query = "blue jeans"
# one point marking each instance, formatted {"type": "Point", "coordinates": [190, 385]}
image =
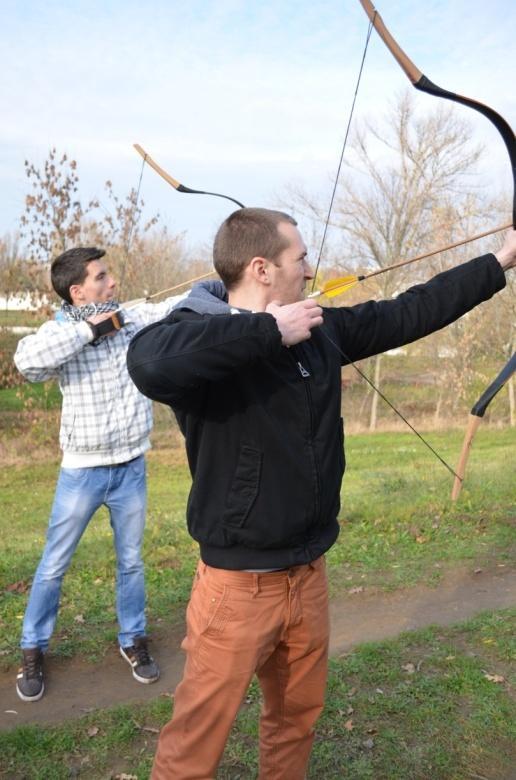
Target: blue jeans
{"type": "Point", "coordinates": [79, 493]}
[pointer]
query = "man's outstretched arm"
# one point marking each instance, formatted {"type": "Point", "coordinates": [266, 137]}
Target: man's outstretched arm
{"type": "Point", "coordinates": [376, 326]}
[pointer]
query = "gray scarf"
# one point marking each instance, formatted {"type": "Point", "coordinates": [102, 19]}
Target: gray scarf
{"type": "Point", "coordinates": [88, 310]}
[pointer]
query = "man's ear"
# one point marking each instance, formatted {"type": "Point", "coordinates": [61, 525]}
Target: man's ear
{"type": "Point", "coordinates": [259, 270]}
{"type": "Point", "coordinates": [76, 294]}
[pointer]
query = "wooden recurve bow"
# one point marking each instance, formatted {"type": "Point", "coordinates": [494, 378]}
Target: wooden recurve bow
{"type": "Point", "coordinates": [475, 417]}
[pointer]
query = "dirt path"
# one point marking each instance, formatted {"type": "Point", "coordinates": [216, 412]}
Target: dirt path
{"type": "Point", "coordinates": [74, 688]}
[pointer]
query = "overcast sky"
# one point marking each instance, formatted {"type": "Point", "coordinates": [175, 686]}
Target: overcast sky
{"type": "Point", "coordinates": [228, 95]}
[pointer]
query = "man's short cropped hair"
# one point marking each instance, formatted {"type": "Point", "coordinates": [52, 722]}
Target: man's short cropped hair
{"type": "Point", "coordinates": [245, 234]}
{"type": "Point", "coordinates": [71, 267]}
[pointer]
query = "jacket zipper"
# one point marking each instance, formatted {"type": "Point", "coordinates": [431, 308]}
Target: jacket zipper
{"type": "Point", "coordinates": [309, 399]}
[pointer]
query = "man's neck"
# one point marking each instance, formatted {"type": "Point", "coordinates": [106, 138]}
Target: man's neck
{"type": "Point", "coordinates": [247, 299]}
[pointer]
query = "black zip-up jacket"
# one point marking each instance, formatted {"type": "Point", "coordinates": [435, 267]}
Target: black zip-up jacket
{"type": "Point", "coordinates": [262, 422]}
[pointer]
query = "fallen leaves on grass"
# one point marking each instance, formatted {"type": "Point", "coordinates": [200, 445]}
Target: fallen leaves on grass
{"type": "Point", "coordinates": [496, 678]}
{"type": "Point", "coordinates": [169, 563]}
{"type": "Point", "coordinates": [150, 729]}
{"type": "Point", "coordinates": [21, 586]}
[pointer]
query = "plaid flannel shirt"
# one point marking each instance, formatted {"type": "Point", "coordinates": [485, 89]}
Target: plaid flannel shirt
{"type": "Point", "coordinates": [103, 414]}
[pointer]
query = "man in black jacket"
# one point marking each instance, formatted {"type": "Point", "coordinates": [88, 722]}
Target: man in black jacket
{"type": "Point", "coordinates": [254, 378]}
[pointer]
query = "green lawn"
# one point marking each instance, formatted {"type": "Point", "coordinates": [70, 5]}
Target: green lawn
{"type": "Point", "coordinates": [436, 704]}
{"type": "Point", "coordinates": [42, 396]}
{"type": "Point", "coordinates": [31, 319]}
{"type": "Point", "coordinates": [398, 527]}
{"type": "Point", "coordinates": [397, 517]}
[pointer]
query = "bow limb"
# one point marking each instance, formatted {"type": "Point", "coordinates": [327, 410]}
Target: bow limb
{"type": "Point", "coordinates": [460, 468]}
{"type": "Point", "coordinates": [422, 83]}
{"type": "Point", "coordinates": [474, 419]}
{"type": "Point", "coordinates": [174, 183]}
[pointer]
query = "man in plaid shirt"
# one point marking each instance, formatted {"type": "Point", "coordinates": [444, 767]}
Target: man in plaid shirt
{"type": "Point", "coordinates": [105, 426]}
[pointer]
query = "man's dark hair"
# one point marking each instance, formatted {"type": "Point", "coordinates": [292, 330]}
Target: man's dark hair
{"type": "Point", "coordinates": [245, 234]}
{"type": "Point", "coordinates": [71, 267]}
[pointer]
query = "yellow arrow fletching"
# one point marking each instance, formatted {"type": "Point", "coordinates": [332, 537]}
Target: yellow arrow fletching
{"type": "Point", "coordinates": [334, 287]}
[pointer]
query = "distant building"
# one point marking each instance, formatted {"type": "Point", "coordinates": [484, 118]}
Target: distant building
{"type": "Point", "coordinates": [396, 351]}
{"type": "Point", "coordinates": [24, 301]}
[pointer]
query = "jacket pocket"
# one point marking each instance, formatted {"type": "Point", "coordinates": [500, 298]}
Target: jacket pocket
{"type": "Point", "coordinates": [244, 487]}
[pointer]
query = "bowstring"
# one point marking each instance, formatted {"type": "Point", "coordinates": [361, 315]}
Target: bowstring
{"type": "Point", "coordinates": [323, 331]}
{"type": "Point", "coordinates": [131, 229]}
{"type": "Point", "coordinates": [389, 403]}
{"type": "Point", "coordinates": [344, 144]}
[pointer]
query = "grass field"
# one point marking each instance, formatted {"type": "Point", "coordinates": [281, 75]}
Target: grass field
{"type": "Point", "coordinates": [43, 396]}
{"type": "Point", "coordinates": [432, 705]}
{"type": "Point", "coordinates": [398, 527]}
{"type": "Point", "coordinates": [10, 318]}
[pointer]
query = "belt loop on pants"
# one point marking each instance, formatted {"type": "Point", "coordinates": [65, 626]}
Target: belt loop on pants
{"type": "Point", "coordinates": [256, 585]}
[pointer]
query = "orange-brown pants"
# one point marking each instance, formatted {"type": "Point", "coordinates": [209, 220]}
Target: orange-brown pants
{"type": "Point", "coordinates": [239, 624]}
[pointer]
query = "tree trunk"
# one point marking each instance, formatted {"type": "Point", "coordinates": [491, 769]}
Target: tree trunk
{"type": "Point", "coordinates": [437, 413]}
{"type": "Point", "coordinates": [374, 402]}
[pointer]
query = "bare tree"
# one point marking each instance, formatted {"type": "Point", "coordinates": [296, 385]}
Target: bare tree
{"type": "Point", "coordinates": [144, 256]}
{"type": "Point", "coordinates": [55, 219]}
{"type": "Point", "coordinates": [405, 193]}
{"type": "Point", "coordinates": [10, 267]}
{"type": "Point", "coordinates": [409, 193]}
{"type": "Point", "coordinates": [53, 212]}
